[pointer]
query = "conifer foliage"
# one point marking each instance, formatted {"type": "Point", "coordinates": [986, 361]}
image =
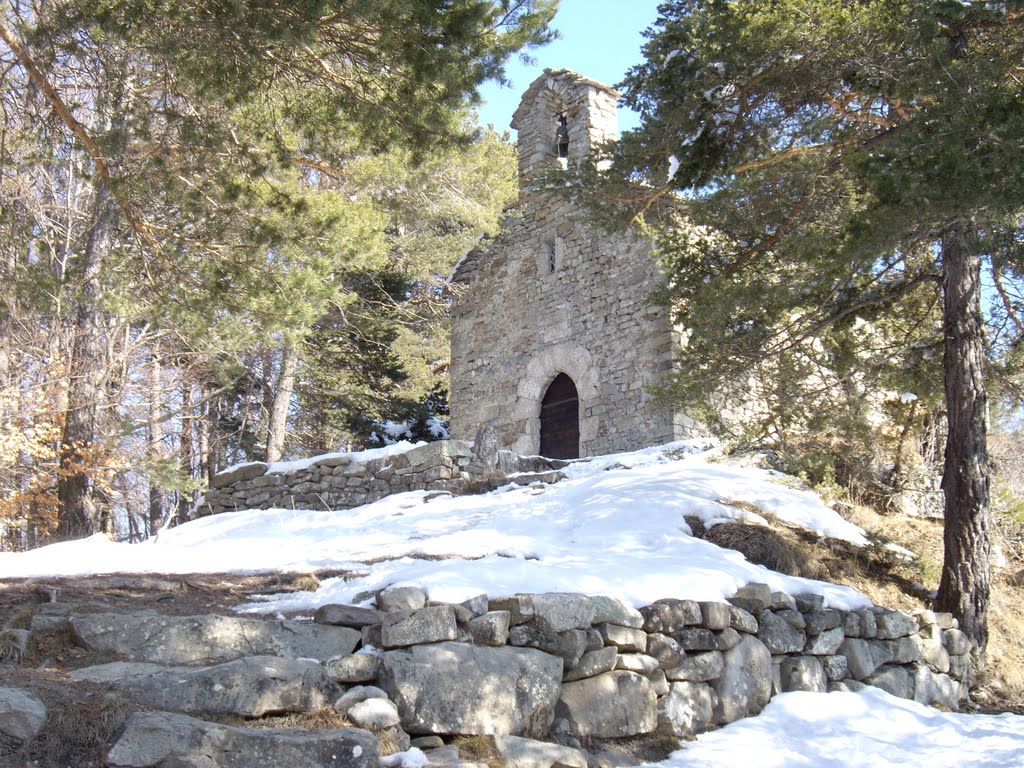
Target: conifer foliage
{"type": "Point", "coordinates": [833, 181]}
{"type": "Point", "coordinates": [184, 201]}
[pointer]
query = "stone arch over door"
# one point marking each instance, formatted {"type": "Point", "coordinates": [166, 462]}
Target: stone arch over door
{"type": "Point", "coordinates": [576, 363]}
{"type": "Point", "coordinates": [560, 420]}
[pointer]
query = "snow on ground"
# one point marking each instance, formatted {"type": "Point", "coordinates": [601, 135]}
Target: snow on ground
{"type": "Point", "coordinates": [870, 729]}
{"type": "Point", "coordinates": [613, 527]}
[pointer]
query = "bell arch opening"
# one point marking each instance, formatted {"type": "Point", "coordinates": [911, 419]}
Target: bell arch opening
{"type": "Point", "coordinates": [560, 420]}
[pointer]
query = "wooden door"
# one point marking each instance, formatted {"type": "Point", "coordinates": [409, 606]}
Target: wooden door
{"type": "Point", "coordinates": [560, 420]}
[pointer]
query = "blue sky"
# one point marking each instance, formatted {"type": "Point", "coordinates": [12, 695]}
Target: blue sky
{"type": "Point", "coordinates": [601, 39]}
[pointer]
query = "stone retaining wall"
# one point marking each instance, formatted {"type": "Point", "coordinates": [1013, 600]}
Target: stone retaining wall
{"type": "Point", "coordinates": [570, 667]}
{"type": "Point", "coordinates": [342, 481]}
{"type": "Point", "coordinates": [547, 677]}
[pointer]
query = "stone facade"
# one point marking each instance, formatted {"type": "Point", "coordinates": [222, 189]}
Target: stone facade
{"type": "Point", "coordinates": [554, 294]}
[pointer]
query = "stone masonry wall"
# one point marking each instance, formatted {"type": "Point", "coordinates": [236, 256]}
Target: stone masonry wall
{"type": "Point", "coordinates": [570, 667]}
{"type": "Point", "coordinates": [556, 294]}
{"type": "Point", "coordinates": [516, 325]}
{"type": "Point", "coordinates": [545, 676]}
{"type": "Point", "coordinates": [343, 482]}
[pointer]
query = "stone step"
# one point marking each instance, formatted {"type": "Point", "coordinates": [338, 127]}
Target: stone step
{"type": "Point", "coordinates": [164, 738]}
{"type": "Point", "coordinates": [204, 640]}
{"type": "Point", "coordinates": [254, 686]}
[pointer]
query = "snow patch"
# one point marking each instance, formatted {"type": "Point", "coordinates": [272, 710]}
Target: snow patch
{"type": "Point", "coordinates": [673, 168]}
{"type": "Point", "coordinates": [411, 758]}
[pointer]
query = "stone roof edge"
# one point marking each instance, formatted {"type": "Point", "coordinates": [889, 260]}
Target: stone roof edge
{"type": "Point", "coordinates": [542, 79]}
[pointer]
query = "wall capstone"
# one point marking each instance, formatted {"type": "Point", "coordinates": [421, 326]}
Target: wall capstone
{"type": "Point", "coordinates": [341, 481]}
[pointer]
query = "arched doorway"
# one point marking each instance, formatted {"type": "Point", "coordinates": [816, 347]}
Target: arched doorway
{"type": "Point", "coordinates": [560, 420]}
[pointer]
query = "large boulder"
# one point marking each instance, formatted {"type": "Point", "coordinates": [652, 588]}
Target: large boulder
{"type": "Point", "coordinates": [626, 639]}
{"type": "Point", "coordinates": [715, 615]}
{"type": "Point", "coordinates": [803, 673]}
{"type": "Point", "coordinates": [150, 636]}
{"type": "Point", "coordinates": [894, 679]}
{"type": "Point", "coordinates": [564, 610]}
{"type": "Point", "coordinates": [354, 668]}
{"type": "Point", "coordinates": [489, 628]}
{"type": "Point", "coordinates": [666, 650]}
{"type": "Point", "coordinates": [593, 663]}
{"type": "Point", "coordinates": [933, 652]}
{"type": "Point", "coordinates": [517, 752]}
{"type": "Point", "coordinates": [426, 625]}
{"type": "Point", "coordinates": [825, 643]}
{"type": "Point", "coordinates": [347, 615]}
{"type": "Point", "coordinates": [401, 599]}
{"type": "Point", "coordinates": [569, 645]}
{"type": "Point", "coordinates": [613, 611]}
{"type": "Point", "coordinates": [863, 657]}
{"type": "Point", "coordinates": [893, 624]}
{"type": "Point", "coordinates": [936, 688]}
{"type": "Point", "coordinates": [456, 688]}
{"type": "Point", "coordinates": [248, 687]}
{"type": "Point", "coordinates": [165, 739]}
{"type": "Point", "coordinates": [744, 686]}
{"type": "Point", "coordinates": [699, 667]}
{"type": "Point", "coordinates": [610, 706]}
{"type": "Point", "coordinates": [670, 615]}
{"type": "Point", "coordinates": [779, 635]}
{"type": "Point", "coordinates": [686, 710]}
{"type": "Point", "coordinates": [238, 474]}
{"type": "Point", "coordinates": [22, 715]}
{"type": "Point", "coordinates": [373, 714]}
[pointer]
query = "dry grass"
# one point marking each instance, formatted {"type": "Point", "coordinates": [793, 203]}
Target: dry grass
{"type": "Point", "coordinates": [13, 646]}
{"type": "Point", "coordinates": [322, 719]}
{"type": "Point", "coordinates": [306, 583]}
{"type": "Point", "coordinates": [633, 750]}
{"type": "Point", "coordinates": [478, 749]}
{"type": "Point", "coordinates": [20, 619]}
{"type": "Point", "coordinates": [78, 731]}
{"type": "Point", "coordinates": [778, 549]}
{"type": "Point", "coordinates": [389, 742]}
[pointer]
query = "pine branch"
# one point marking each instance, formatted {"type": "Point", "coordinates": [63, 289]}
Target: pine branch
{"type": "Point", "coordinates": [81, 133]}
{"type": "Point", "coordinates": [1004, 297]}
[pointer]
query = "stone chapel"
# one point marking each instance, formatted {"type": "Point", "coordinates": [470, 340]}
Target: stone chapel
{"type": "Point", "coordinates": [555, 343]}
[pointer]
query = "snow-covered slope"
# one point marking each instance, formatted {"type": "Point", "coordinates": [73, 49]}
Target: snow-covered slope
{"type": "Point", "coordinates": [613, 527]}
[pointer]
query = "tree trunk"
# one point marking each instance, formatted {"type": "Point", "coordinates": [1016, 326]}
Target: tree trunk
{"type": "Point", "coordinates": [87, 373]}
{"type": "Point", "coordinates": [187, 445]}
{"type": "Point", "coordinates": [156, 439]}
{"type": "Point", "coordinates": [278, 424]}
{"type": "Point", "coordinates": [964, 588]}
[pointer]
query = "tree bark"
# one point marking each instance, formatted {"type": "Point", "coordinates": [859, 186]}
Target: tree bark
{"type": "Point", "coordinates": [965, 584]}
{"type": "Point", "coordinates": [87, 373]}
{"type": "Point", "coordinates": [186, 445]}
{"type": "Point", "coordinates": [278, 423]}
{"type": "Point", "coordinates": [156, 439]}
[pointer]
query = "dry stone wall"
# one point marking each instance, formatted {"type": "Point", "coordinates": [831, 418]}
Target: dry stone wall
{"type": "Point", "coordinates": [570, 667]}
{"type": "Point", "coordinates": [545, 676]}
{"type": "Point", "coordinates": [345, 481]}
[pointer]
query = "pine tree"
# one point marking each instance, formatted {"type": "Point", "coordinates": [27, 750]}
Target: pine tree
{"type": "Point", "coordinates": [842, 162]}
{"type": "Point", "coordinates": [168, 159]}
